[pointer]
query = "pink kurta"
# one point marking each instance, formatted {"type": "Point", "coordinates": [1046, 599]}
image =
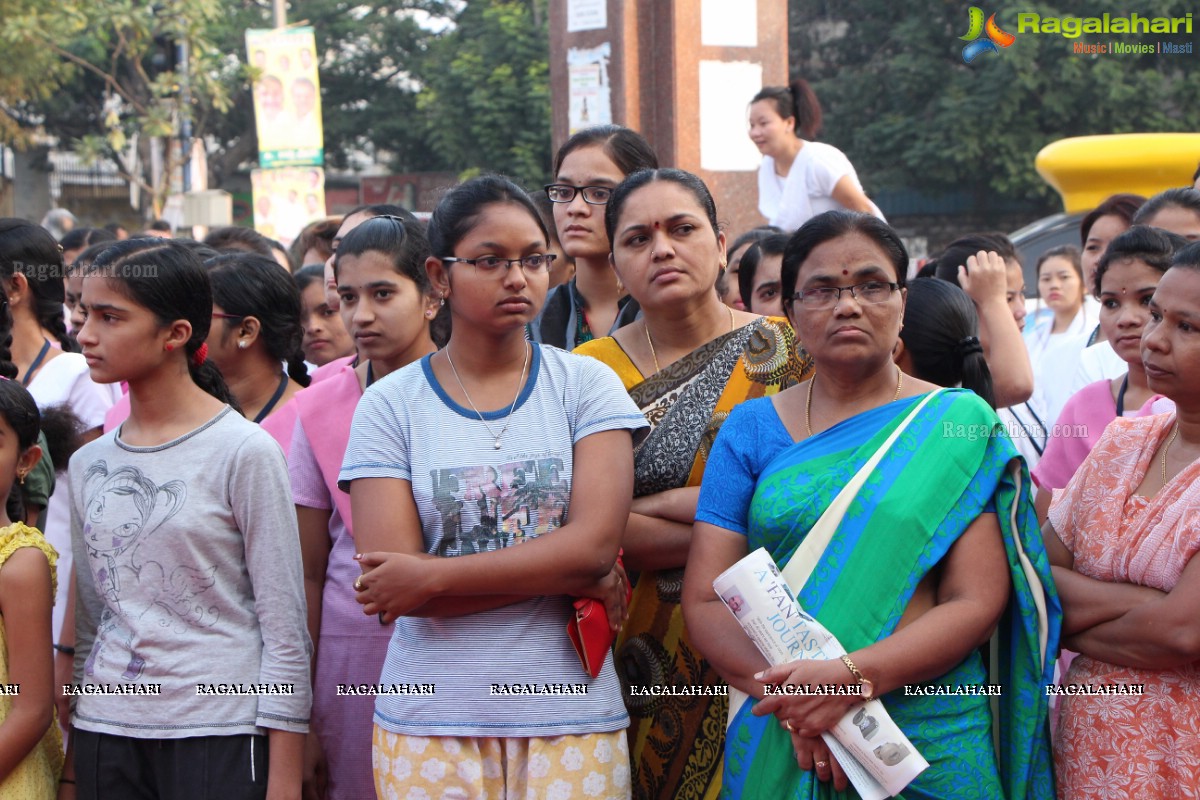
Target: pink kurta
{"type": "Point", "coordinates": [1122, 745]}
{"type": "Point", "coordinates": [352, 646]}
{"type": "Point", "coordinates": [1077, 430]}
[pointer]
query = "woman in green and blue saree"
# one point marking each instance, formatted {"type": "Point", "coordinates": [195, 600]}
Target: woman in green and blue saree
{"type": "Point", "coordinates": [900, 516]}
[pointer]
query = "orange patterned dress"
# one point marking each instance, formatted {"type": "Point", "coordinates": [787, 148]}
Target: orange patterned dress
{"type": "Point", "coordinates": [1124, 746]}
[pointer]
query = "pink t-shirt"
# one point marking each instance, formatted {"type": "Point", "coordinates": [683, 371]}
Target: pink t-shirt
{"type": "Point", "coordinates": [1079, 427]}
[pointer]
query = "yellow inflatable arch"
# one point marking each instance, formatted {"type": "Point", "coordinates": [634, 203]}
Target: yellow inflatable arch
{"type": "Point", "coordinates": [1087, 169]}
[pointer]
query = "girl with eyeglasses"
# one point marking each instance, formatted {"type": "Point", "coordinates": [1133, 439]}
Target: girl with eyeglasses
{"type": "Point", "coordinates": [686, 363]}
{"type": "Point", "coordinates": [255, 338]}
{"type": "Point", "coordinates": [462, 468]}
{"type": "Point", "coordinates": [587, 168]}
{"type": "Point", "coordinates": [388, 306]}
{"type": "Point", "coordinates": [900, 518]}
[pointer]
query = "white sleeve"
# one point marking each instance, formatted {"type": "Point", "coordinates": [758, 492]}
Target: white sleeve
{"type": "Point", "coordinates": [827, 166]}
{"type": "Point", "coordinates": [603, 403]}
{"type": "Point", "coordinates": [90, 401]}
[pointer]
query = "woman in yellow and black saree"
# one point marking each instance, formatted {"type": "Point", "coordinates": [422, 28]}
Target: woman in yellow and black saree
{"type": "Point", "coordinates": [686, 363]}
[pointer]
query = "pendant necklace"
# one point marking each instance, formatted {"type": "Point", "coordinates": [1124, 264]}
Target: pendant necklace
{"type": "Point", "coordinates": [520, 385]}
{"type": "Point", "coordinates": [650, 341]}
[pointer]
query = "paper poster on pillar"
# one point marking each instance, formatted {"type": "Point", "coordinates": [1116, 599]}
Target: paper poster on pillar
{"type": "Point", "coordinates": [287, 199]}
{"type": "Point", "coordinates": [587, 15]}
{"type": "Point", "coordinates": [287, 96]}
{"type": "Point", "coordinates": [589, 96]}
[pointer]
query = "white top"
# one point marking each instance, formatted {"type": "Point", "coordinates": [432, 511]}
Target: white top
{"type": "Point", "coordinates": [1054, 358]}
{"type": "Point", "coordinates": [65, 379]}
{"type": "Point", "coordinates": [808, 188]}
{"type": "Point", "coordinates": [473, 498]}
{"type": "Point", "coordinates": [1098, 363]}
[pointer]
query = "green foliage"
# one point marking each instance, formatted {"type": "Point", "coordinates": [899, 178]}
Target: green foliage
{"type": "Point", "coordinates": [424, 85]}
{"type": "Point", "coordinates": [31, 72]}
{"type": "Point", "coordinates": [911, 115]}
{"type": "Point", "coordinates": [485, 103]}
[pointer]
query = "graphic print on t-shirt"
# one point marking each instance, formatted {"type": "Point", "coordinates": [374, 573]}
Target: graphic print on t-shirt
{"type": "Point", "coordinates": [486, 508]}
{"type": "Point", "coordinates": [121, 509]}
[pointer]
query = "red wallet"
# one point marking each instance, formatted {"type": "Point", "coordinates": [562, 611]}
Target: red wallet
{"type": "Point", "coordinates": [590, 633]}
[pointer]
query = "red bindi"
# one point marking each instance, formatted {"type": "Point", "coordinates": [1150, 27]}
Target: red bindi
{"type": "Point", "coordinates": [845, 272]}
{"type": "Point", "coordinates": [656, 226]}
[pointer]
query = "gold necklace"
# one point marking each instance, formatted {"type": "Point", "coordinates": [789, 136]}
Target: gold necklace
{"type": "Point", "coordinates": [808, 399]}
{"type": "Point", "coordinates": [1163, 461]}
{"type": "Point", "coordinates": [650, 341]}
{"type": "Point", "coordinates": [511, 409]}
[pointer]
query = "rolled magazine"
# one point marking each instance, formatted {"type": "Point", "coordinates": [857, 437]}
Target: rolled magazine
{"type": "Point", "coordinates": [874, 753]}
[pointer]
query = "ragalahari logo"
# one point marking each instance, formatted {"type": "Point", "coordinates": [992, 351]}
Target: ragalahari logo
{"type": "Point", "coordinates": [978, 46]}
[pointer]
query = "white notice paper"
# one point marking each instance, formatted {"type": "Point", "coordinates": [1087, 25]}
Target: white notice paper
{"type": "Point", "coordinates": [587, 15]}
{"type": "Point", "coordinates": [725, 92]}
{"type": "Point", "coordinates": [729, 23]}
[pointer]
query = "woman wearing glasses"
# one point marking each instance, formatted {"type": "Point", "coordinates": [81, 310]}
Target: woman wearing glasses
{"type": "Point", "coordinates": [461, 469]}
{"type": "Point", "coordinates": [905, 570]}
{"type": "Point", "coordinates": [686, 363]}
{"type": "Point", "coordinates": [587, 168]}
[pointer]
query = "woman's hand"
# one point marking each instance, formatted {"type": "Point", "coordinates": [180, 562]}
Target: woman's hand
{"type": "Point", "coordinates": [807, 714]}
{"type": "Point", "coordinates": [613, 589]}
{"type": "Point", "coordinates": [984, 278]}
{"type": "Point", "coordinates": [392, 584]}
{"type": "Point", "coordinates": [813, 754]}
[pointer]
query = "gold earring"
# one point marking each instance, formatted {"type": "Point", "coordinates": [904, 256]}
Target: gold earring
{"type": "Point", "coordinates": [21, 478]}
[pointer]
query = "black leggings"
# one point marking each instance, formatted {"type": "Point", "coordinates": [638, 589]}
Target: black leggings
{"type": "Point", "coordinates": [109, 767]}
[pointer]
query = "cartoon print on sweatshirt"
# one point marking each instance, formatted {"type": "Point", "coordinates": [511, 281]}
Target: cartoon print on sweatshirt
{"type": "Point", "coordinates": [122, 509]}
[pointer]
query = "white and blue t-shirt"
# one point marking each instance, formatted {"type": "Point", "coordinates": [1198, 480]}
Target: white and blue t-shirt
{"type": "Point", "coordinates": [474, 498]}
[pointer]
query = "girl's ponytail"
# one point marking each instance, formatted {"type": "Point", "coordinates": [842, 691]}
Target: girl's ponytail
{"type": "Point", "coordinates": [806, 109]}
{"type": "Point", "coordinates": [976, 375]}
{"type": "Point", "coordinates": [297, 370]}
{"type": "Point", "coordinates": [205, 373]}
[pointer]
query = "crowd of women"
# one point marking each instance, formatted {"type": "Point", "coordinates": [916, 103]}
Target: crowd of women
{"type": "Point", "coordinates": [282, 511]}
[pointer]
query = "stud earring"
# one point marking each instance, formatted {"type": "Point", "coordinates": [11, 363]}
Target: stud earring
{"type": "Point", "coordinates": [170, 347]}
{"type": "Point", "coordinates": [429, 314]}
{"type": "Point", "coordinates": [242, 345]}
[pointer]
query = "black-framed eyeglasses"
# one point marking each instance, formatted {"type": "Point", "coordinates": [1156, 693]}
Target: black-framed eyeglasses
{"type": "Point", "coordinates": [490, 265]}
{"type": "Point", "coordinates": [565, 193]}
{"type": "Point", "coordinates": [867, 293]}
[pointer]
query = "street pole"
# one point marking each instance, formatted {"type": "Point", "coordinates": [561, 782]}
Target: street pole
{"type": "Point", "coordinates": [280, 7]}
{"type": "Point", "coordinates": [185, 102]}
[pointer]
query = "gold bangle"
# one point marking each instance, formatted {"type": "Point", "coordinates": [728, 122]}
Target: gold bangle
{"type": "Point", "coordinates": [866, 686]}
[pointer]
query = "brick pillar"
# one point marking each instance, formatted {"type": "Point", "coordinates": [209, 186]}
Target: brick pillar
{"type": "Point", "coordinates": [680, 71]}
